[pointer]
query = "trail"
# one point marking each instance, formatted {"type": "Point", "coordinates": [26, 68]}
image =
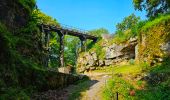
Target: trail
{"type": "Point", "coordinates": [94, 92]}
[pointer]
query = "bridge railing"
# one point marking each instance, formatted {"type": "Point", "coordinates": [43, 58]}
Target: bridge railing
{"type": "Point", "coordinates": [75, 29]}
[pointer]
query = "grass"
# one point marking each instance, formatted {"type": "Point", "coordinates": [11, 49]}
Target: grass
{"type": "Point", "coordinates": [142, 89]}
{"type": "Point", "coordinates": [127, 69]}
{"type": "Point", "coordinates": [120, 86]}
{"type": "Point", "coordinates": [123, 69]}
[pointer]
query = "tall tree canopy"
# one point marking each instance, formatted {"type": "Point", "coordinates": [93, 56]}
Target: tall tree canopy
{"type": "Point", "coordinates": [128, 23]}
{"type": "Point", "coordinates": [126, 28]}
{"type": "Point", "coordinates": [153, 7]}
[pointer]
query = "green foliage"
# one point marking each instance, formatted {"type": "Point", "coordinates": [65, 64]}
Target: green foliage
{"type": "Point", "coordinates": [71, 50]}
{"type": "Point", "coordinates": [161, 85]}
{"type": "Point", "coordinates": [45, 19]}
{"type": "Point", "coordinates": [157, 87]}
{"type": "Point", "coordinates": [162, 19]}
{"type": "Point", "coordinates": [117, 85]}
{"type": "Point", "coordinates": [21, 54]}
{"type": "Point", "coordinates": [144, 65]}
{"type": "Point", "coordinates": [162, 68]}
{"type": "Point", "coordinates": [98, 48]}
{"type": "Point", "coordinates": [126, 29]}
{"type": "Point", "coordinates": [121, 37]}
{"type": "Point", "coordinates": [14, 94]}
{"type": "Point", "coordinates": [98, 32]}
{"type": "Point", "coordinates": [128, 23]}
{"type": "Point", "coordinates": [153, 7]}
{"type": "Point", "coordinates": [29, 5]}
{"type": "Point", "coordinates": [161, 93]}
{"type": "Point", "coordinates": [152, 35]}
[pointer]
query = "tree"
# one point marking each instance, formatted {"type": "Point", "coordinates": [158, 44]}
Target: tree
{"type": "Point", "coordinates": [99, 32]}
{"type": "Point", "coordinates": [153, 7]}
{"type": "Point", "coordinates": [45, 19]}
{"type": "Point", "coordinates": [126, 29]}
{"type": "Point", "coordinates": [72, 44]}
{"type": "Point", "coordinates": [128, 23]}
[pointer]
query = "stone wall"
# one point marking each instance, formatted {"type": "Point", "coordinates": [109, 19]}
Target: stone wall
{"type": "Point", "coordinates": [45, 79]}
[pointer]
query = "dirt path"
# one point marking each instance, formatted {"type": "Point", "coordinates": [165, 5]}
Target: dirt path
{"type": "Point", "coordinates": [96, 82]}
{"type": "Point", "coordinates": [95, 91]}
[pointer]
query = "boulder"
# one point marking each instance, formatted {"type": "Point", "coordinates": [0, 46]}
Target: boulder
{"type": "Point", "coordinates": [108, 62]}
{"type": "Point", "coordinates": [91, 59]}
{"type": "Point", "coordinates": [87, 60]}
{"type": "Point", "coordinates": [114, 51]}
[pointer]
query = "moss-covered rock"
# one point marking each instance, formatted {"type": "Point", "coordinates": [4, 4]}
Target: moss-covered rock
{"type": "Point", "coordinates": [152, 36]}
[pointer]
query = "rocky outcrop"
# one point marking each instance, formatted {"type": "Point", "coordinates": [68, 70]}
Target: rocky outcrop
{"type": "Point", "coordinates": [114, 53]}
{"type": "Point", "coordinates": [117, 53]}
{"type": "Point", "coordinates": [87, 61]}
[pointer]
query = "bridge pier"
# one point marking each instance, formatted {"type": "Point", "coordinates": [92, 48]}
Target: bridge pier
{"type": "Point", "coordinates": [61, 35]}
{"type": "Point", "coordinates": [83, 45]}
{"type": "Point", "coordinates": [47, 38]}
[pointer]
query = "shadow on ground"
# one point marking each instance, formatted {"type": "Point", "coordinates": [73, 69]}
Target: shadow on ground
{"type": "Point", "coordinates": [81, 88]}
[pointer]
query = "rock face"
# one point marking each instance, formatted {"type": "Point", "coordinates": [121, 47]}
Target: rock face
{"type": "Point", "coordinates": [88, 60]}
{"type": "Point", "coordinates": [117, 53]}
{"type": "Point", "coordinates": [114, 53]}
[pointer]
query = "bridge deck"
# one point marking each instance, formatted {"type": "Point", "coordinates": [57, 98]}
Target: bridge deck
{"type": "Point", "coordinates": [70, 31]}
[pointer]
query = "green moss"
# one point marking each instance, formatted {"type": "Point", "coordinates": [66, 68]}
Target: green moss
{"type": "Point", "coordinates": [28, 4]}
{"type": "Point", "coordinates": [152, 36]}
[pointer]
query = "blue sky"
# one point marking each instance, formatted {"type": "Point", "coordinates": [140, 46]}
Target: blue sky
{"type": "Point", "coordinates": [89, 14]}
